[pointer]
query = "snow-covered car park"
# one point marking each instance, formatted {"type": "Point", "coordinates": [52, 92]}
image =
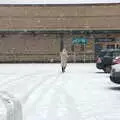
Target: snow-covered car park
{"type": "Point", "coordinates": [43, 92]}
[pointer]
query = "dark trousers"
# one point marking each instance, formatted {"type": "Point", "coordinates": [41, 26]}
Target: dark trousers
{"type": "Point", "coordinates": [63, 69]}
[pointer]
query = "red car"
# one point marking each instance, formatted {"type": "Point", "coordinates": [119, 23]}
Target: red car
{"type": "Point", "coordinates": [116, 60]}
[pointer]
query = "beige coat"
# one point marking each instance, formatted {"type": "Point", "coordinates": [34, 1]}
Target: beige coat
{"type": "Point", "coordinates": [64, 57]}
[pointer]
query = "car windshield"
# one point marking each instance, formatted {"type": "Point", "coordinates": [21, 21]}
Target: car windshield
{"type": "Point", "coordinates": [117, 53]}
{"type": "Point", "coordinates": [102, 53]}
{"type": "Point", "coordinates": [109, 53]}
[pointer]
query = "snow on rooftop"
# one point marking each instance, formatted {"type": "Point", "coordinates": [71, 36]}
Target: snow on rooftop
{"type": "Point", "coordinates": [57, 1]}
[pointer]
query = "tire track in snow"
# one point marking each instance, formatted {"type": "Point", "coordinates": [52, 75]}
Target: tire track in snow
{"type": "Point", "coordinates": [50, 77]}
{"type": "Point", "coordinates": [17, 79]}
{"type": "Point", "coordinates": [28, 79]}
{"type": "Point", "coordinates": [62, 106]}
{"type": "Point", "coordinates": [43, 89]}
{"type": "Point", "coordinates": [61, 103]}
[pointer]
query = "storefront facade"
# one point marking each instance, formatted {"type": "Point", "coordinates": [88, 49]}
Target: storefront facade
{"type": "Point", "coordinates": [37, 33]}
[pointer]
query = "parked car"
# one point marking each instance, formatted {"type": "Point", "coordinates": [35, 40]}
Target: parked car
{"type": "Point", "coordinates": [116, 60]}
{"type": "Point", "coordinates": [105, 59]}
{"type": "Point", "coordinates": [115, 73]}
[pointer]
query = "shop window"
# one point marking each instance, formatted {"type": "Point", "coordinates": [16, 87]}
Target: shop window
{"type": "Point", "coordinates": [111, 46]}
{"type": "Point", "coordinates": [118, 46]}
{"type": "Point", "coordinates": [82, 47]}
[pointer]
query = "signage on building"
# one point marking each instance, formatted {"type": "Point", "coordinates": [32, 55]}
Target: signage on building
{"type": "Point", "coordinates": [78, 40]}
{"type": "Point", "coordinates": [104, 39]}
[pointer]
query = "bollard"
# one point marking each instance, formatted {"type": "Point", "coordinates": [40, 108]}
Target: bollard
{"type": "Point", "coordinates": [13, 106]}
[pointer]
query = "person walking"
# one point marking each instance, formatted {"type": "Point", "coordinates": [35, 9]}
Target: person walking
{"type": "Point", "coordinates": [64, 57]}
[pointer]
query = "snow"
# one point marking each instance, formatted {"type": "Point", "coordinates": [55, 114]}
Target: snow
{"type": "Point", "coordinates": [45, 93]}
{"type": "Point", "coordinates": [2, 110]}
{"type": "Point", "coordinates": [57, 1]}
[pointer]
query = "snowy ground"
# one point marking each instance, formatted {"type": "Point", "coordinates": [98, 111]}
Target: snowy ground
{"type": "Point", "coordinates": [81, 93]}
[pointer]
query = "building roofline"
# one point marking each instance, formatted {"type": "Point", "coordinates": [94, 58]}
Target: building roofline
{"type": "Point", "coordinates": [64, 31]}
{"type": "Point", "coordinates": [83, 4]}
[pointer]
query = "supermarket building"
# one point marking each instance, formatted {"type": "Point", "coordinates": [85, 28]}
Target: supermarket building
{"type": "Point", "coordinates": [37, 33]}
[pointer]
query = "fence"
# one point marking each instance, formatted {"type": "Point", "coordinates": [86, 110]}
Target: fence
{"type": "Point", "coordinates": [81, 57]}
{"type": "Point", "coordinates": [47, 57]}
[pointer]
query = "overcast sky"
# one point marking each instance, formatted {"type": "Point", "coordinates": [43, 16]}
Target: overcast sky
{"type": "Point", "coordinates": [56, 1]}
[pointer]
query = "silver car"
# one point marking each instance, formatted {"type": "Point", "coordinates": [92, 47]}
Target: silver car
{"type": "Point", "coordinates": [115, 74]}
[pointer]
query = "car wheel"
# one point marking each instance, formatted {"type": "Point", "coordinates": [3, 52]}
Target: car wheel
{"type": "Point", "coordinates": [107, 69]}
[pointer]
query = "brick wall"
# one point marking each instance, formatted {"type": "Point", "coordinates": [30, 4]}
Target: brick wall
{"type": "Point", "coordinates": [76, 17]}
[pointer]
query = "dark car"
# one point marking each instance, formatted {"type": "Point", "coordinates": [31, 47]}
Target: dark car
{"type": "Point", "coordinates": [105, 59]}
{"type": "Point", "coordinates": [115, 74]}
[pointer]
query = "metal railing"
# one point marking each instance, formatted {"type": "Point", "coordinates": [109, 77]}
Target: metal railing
{"type": "Point", "coordinates": [45, 57]}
